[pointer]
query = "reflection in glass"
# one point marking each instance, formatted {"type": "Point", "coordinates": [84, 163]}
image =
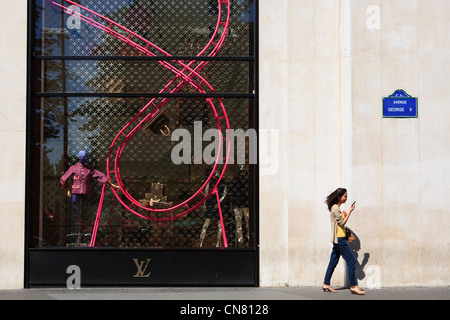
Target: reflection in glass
{"type": "Point", "coordinates": [62, 126]}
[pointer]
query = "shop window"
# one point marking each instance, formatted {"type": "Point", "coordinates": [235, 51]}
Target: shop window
{"type": "Point", "coordinates": [160, 94]}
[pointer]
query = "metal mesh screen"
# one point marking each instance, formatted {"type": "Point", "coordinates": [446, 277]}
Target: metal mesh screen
{"type": "Point", "coordinates": [179, 27]}
{"type": "Point", "coordinates": [83, 102]}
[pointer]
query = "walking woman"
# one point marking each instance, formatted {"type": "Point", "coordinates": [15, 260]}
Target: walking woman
{"type": "Point", "coordinates": [338, 220]}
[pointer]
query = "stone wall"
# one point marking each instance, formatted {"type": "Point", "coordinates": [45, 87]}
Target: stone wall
{"type": "Point", "coordinates": [325, 67]}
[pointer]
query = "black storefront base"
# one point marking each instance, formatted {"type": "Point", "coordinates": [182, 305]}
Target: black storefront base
{"type": "Point", "coordinates": [135, 268]}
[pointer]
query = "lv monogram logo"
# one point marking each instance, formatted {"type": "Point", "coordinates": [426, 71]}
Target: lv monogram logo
{"type": "Point", "coordinates": [141, 268]}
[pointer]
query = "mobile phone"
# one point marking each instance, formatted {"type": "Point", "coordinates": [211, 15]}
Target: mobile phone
{"type": "Point", "coordinates": [353, 203]}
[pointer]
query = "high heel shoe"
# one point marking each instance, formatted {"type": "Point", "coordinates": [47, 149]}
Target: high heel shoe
{"type": "Point", "coordinates": [327, 288]}
{"type": "Point", "coordinates": [357, 290]}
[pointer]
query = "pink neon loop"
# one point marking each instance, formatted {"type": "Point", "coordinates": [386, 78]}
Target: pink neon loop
{"type": "Point", "coordinates": [192, 77]}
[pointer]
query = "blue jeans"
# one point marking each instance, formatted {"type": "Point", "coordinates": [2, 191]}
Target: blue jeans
{"type": "Point", "coordinates": [341, 249]}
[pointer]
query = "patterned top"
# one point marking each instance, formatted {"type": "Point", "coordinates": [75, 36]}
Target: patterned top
{"type": "Point", "coordinates": [82, 176]}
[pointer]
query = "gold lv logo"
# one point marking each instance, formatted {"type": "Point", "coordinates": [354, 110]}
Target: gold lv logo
{"type": "Point", "coordinates": [141, 268]}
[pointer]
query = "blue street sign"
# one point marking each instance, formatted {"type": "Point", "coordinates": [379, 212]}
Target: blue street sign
{"type": "Point", "coordinates": [400, 105]}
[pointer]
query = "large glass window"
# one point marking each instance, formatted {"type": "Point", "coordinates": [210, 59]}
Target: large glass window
{"type": "Point", "coordinates": [160, 96]}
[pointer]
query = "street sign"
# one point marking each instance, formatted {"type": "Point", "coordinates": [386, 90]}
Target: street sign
{"type": "Point", "coordinates": [400, 105]}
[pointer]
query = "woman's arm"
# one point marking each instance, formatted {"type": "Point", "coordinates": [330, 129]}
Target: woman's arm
{"type": "Point", "coordinates": [342, 218]}
{"type": "Point", "coordinates": [347, 215]}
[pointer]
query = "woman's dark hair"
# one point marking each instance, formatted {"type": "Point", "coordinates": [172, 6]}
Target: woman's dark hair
{"type": "Point", "coordinates": [334, 197]}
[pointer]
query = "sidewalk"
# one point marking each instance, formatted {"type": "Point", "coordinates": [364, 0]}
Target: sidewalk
{"type": "Point", "coordinates": [253, 294]}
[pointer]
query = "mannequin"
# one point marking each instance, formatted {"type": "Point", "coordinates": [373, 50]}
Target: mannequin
{"type": "Point", "coordinates": [239, 203]}
{"type": "Point", "coordinates": [82, 175]}
{"type": "Point", "coordinates": [80, 187]}
{"type": "Point", "coordinates": [212, 208]}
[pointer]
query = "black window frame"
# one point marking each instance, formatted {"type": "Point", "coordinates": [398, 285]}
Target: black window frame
{"type": "Point", "coordinates": [232, 260]}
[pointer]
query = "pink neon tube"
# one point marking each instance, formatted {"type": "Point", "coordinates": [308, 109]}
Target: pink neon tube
{"type": "Point", "coordinates": [187, 79]}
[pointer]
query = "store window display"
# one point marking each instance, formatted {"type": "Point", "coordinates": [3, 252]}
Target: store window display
{"type": "Point", "coordinates": [104, 90]}
{"type": "Point", "coordinates": [79, 194]}
{"type": "Point", "coordinates": [213, 211]}
{"type": "Point", "coordinates": [82, 175]}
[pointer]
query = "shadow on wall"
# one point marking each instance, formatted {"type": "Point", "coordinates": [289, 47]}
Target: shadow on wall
{"type": "Point", "coordinates": [355, 246]}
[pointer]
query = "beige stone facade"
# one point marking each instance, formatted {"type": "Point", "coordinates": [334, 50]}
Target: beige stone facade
{"type": "Point", "coordinates": [13, 97]}
{"type": "Point", "coordinates": [325, 66]}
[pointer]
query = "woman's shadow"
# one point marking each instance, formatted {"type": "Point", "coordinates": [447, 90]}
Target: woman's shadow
{"type": "Point", "coordinates": [355, 246]}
